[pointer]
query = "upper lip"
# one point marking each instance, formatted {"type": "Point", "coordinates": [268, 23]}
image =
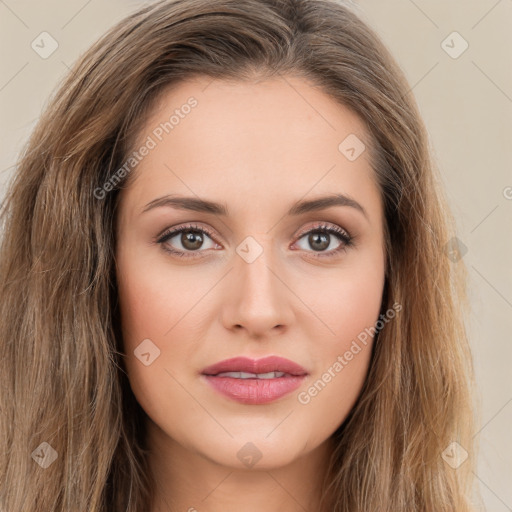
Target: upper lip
{"type": "Point", "coordinates": [263, 365]}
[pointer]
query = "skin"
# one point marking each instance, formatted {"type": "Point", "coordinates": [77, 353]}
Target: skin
{"type": "Point", "coordinates": [259, 148]}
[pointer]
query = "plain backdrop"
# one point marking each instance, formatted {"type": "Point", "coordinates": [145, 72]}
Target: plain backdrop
{"type": "Point", "coordinates": [465, 98]}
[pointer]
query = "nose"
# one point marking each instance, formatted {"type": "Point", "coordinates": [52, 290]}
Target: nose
{"type": "Point", "coordinates": [259, 298]}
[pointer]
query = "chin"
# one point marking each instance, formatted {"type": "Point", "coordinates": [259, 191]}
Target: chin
{"type": "Point", "coordinates": [253, 451]}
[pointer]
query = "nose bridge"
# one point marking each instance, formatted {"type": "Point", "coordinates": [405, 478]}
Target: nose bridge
{"type": "Point", "coordinates": [259, 295]}
{"type": "Point", "coordinates": [256, 266]}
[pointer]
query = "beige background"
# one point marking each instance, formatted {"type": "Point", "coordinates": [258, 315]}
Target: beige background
{"type": "Point", "coordinates": [467, 106]}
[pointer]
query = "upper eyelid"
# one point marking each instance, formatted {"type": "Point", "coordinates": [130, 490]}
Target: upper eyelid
{"type": "Point", "coordinates": [179, 228]}
{"type": "Point", "coordinates": [323, 225]}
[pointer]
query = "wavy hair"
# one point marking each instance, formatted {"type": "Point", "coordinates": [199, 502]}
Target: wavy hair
{"type": "Point", "coordinates": [62, 377]}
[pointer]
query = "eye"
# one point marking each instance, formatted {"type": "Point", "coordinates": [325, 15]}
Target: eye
{"type": "Point", "coordinates": [320, 239]}
{"type": "Point", "coordinates": [189, 239]}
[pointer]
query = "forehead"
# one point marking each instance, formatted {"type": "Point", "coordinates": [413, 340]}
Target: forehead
{"type": "Point", "coordinates": [249, 141]}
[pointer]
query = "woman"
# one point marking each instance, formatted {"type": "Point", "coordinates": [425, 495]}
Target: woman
{"type": "Point", "coordinates": [225, 279]}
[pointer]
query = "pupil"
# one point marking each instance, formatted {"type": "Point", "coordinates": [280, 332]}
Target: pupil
{"type": "Point", "coordinates": [322, 238]}
{"type": "Point", "coordinates": [191, 240]}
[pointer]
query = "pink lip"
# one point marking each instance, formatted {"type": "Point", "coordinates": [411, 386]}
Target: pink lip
{"type": "Point", "coordinates": [263, 365]}
{"type": "Point", "coordinates": [255, 391]}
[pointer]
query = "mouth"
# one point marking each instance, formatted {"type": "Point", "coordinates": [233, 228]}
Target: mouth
{"type": "Point", "coordinates": [266, 367]}
{"type": "Point", "coordinates": [245, 375]}
{"type": "Point", "coordinates": [250, 381]}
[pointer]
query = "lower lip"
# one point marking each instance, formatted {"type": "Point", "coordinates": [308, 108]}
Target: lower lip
{"type": "Point", "coordinates": [255, 391]}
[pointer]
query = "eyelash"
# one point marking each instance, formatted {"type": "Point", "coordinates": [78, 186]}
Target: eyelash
{"type": "Point", "coordinates": [346, 239]}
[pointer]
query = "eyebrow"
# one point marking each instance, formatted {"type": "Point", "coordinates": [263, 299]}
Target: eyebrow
{"type": "Point", "coordinates": [299, 208]}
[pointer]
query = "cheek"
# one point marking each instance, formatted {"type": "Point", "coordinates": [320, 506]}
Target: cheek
{"type": "Point", "coordinates": [148, 309]}
{"type": "Point", "coordinates": [149, 296]}
{"type": "Point", "coordinates": [357, 302]}
{"type": "Point", "coordinates": [344, 302]}
{"type": "Point", "coordinates": [349, 304]}
{"type": "Point", "coordinates": [355, 305]}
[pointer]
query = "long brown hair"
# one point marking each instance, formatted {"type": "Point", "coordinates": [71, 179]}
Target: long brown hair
{"type": "Point", "coordinates": [71, 431]}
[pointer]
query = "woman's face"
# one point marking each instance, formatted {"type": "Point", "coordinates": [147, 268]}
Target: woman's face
{"type": "Point", "coordinates": [255, 275]}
